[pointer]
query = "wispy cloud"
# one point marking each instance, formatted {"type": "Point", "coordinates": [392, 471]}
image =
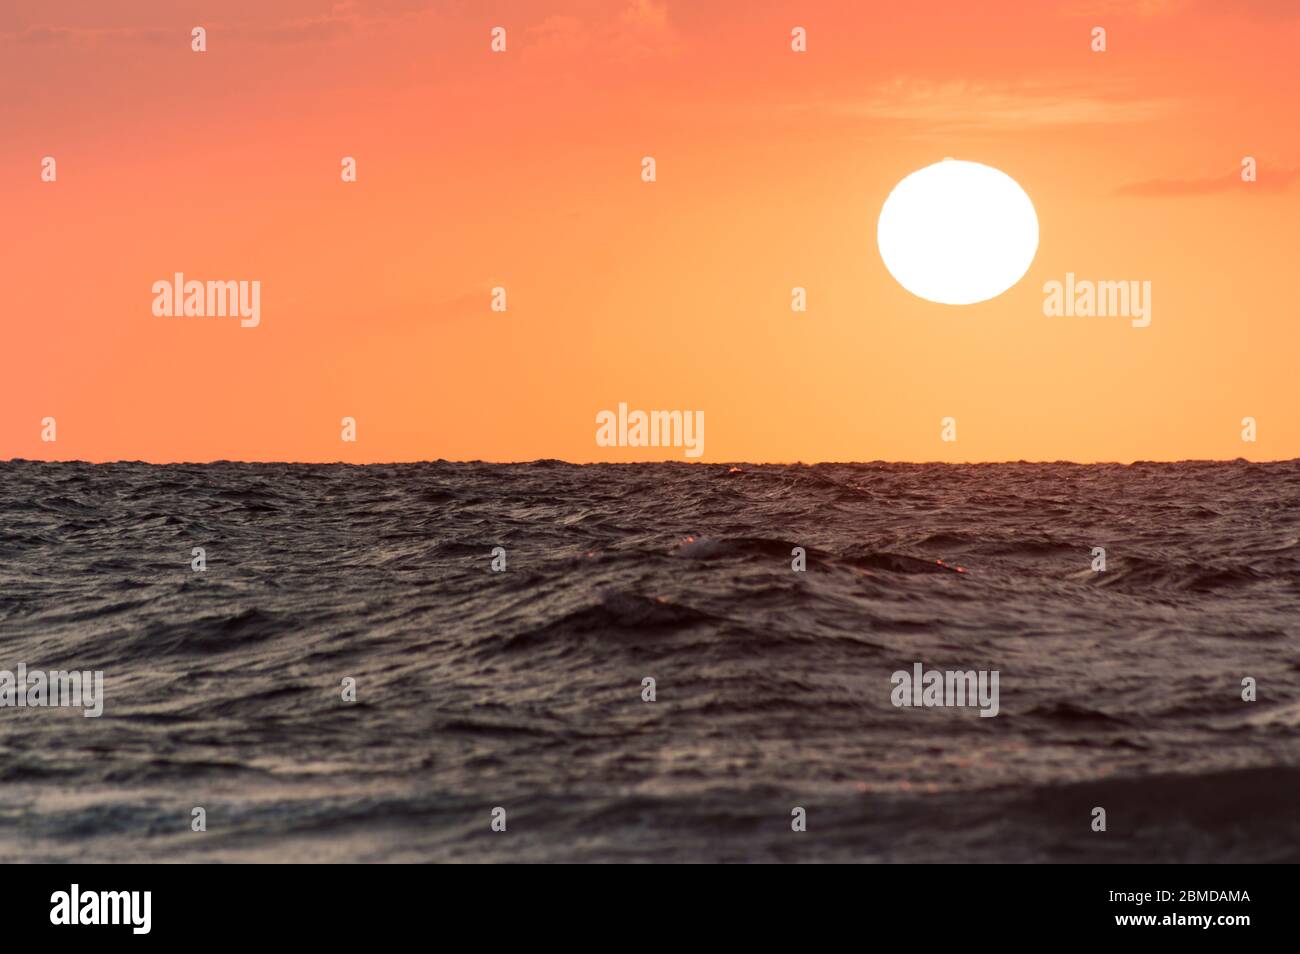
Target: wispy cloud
{"type": "Point", "coordinates": [340, 18]}
{"type": "Point", "coordinates": [43, 33]}
{"type": "Point", "coordinates": [343, 18]}
{"type": "Point", "coordinates": [962, 105]}
{"type": "Point", "coordinates": [1269, 180]}
{"type": "Point", "coordinates": [1131, 8]}
{"type": "Point", "coordinates": [1146, 9]}
{"type": "Point", "coordinates": [641, 28]}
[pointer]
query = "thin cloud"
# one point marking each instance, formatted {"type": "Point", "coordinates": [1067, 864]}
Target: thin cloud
{"type": "Point", "coordinates": [1148, 9]}
{"type": "Point", "coordinates": [641, 29]}
{"type": "Point", "coordinates": [1269, 181]}
{"type": "Point", "coordinates": [1132, 8]}
{"type": "Point", "coordinates": [44, 33]}
{"type": "Point", "coordinates": [340, 19]}
{"type": "Point", "coordinates": [343, 18]}
{"type": "Point", "coordinates": [972, 106]}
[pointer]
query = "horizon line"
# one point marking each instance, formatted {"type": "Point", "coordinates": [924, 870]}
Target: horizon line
{"type": "Point", "coordinates": [627, 463]}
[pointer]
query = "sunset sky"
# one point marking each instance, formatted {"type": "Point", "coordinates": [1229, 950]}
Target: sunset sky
{"type": "Point", "coordinates": [523, 170]}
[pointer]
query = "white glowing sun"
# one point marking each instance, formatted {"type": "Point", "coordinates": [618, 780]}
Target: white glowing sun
{"type": "Point", "coordinates": [957, 232]}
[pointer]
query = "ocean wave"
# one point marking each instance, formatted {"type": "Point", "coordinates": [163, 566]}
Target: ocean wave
{"type": "Point", "coordinates": [772, 678]}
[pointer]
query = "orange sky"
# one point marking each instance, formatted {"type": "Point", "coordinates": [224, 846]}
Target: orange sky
{"type": "Point", "coordinates": [522, 170]}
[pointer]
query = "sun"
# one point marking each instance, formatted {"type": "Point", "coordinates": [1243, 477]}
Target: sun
{"type": "Point", "coordinates": [957, 232]}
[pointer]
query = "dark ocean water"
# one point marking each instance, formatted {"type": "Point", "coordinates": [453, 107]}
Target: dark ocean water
{"type": "Point", "coordinates": [522, 689]}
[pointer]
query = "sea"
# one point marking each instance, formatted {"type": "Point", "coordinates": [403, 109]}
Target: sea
{"type": "Point", "coordinates": [662, 662]}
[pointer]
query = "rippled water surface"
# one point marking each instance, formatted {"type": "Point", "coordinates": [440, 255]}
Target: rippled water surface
{"type": "Point", "coordinates": [522, 689]}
